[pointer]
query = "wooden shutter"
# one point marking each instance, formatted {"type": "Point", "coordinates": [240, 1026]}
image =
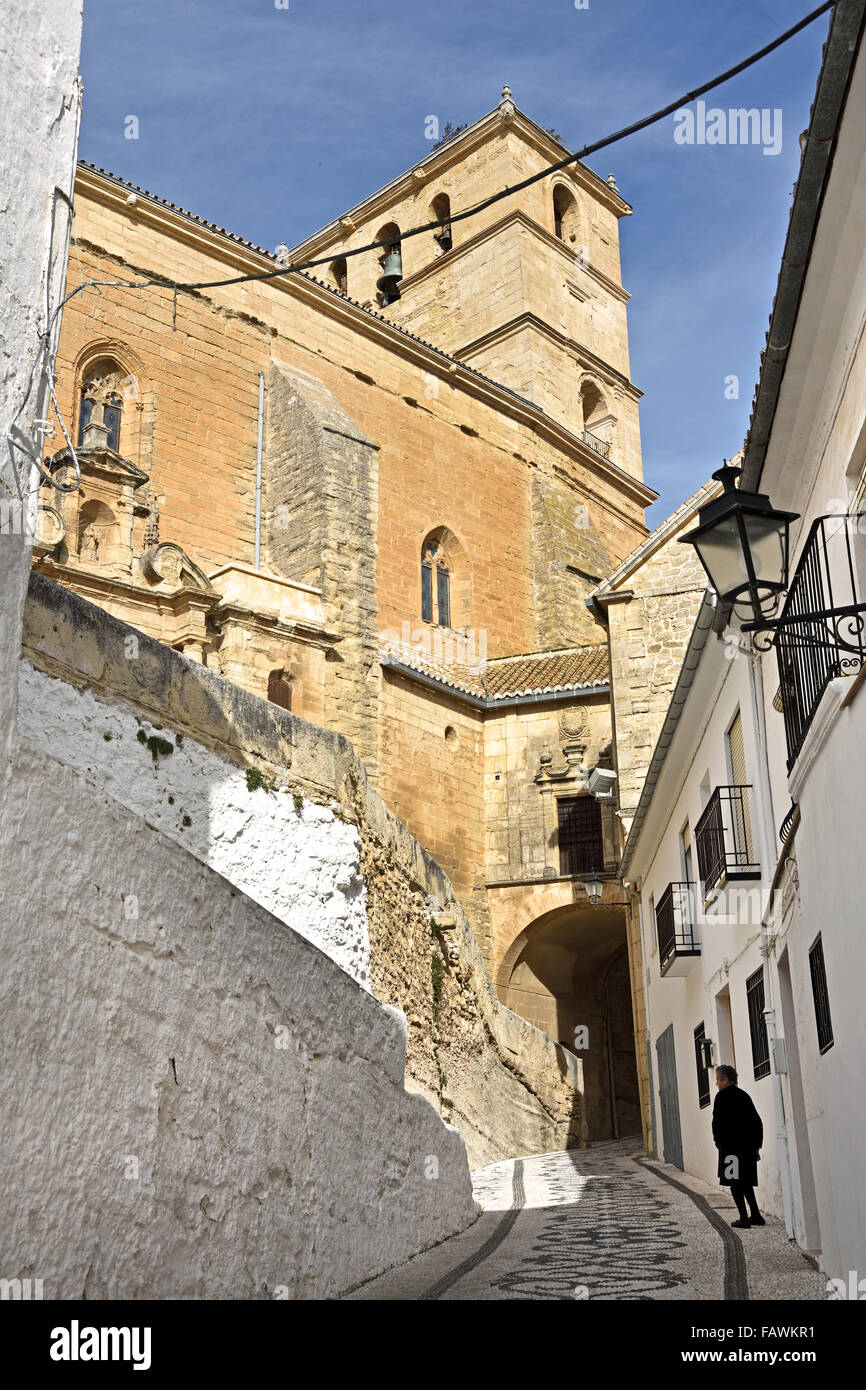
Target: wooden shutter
{"type": "Point", "coordinates": [742, 820]}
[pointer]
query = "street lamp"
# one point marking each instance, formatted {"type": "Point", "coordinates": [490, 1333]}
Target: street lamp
{"type": "Point", "coordinates": [594, 887]}
{"type": "Point", "coordinates": [742, 543]}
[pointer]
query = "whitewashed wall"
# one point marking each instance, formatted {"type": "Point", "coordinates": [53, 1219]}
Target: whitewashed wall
{"type": "Point", "coordinates": [296, 859]}
{"type": "Point", "coordinates": [39, 46]}
{"type": "Point", "coordinates": [204, 1105]}
{"type": "Point", "coordinates": [730, 935]}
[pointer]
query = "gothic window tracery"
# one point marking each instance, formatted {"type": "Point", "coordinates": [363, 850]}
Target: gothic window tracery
{"type": "Point", "coordinates": [435, 599]}
{"type": "Point", "coordinates": [102, 404]}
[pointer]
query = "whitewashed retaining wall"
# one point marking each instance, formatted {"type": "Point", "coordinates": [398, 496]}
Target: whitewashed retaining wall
{"type": "Point", "coordinates": [297, 859]}
{"type": "Point", "coordinates": [201, 1104]}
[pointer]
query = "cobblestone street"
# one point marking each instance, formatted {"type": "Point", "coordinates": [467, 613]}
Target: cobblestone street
{"type": "Point", "coordinates": [602, 1223]}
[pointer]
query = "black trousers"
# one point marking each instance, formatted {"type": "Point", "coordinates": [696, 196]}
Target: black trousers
{"type": "Point", "coordinates": [742, 1195]}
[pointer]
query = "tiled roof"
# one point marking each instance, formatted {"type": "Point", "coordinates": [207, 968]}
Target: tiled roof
{"type": "Point", "coordinates": [536, 673]}
{"type": "Point", "coordinates": [543, 671]}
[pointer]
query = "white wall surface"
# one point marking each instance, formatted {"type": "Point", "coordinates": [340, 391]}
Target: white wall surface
{"type": "Point", "coordinates": [39, 46]}
{"type": "Point", "coordinates": [730, 932]}
{"type": "Point", "coordinates": [204, 1104]}
{"type": "Point", "coordinates": [299, 861]}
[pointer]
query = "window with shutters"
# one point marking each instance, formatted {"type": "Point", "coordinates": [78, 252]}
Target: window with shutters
{"type": "Point", "coordinates": [581, 844]}
{"type": "Point", "coordinates": [741, 823]}
{"type": "Point", "coordinates": [820, 995]}
{"type": "Point", "coordinates": [758, 1024]}
{"type": "Point", "coordinates": [280, 690]}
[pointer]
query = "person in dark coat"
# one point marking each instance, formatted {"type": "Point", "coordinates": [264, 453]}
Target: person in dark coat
{"type": "Point", "coordinates": [738, 1135]}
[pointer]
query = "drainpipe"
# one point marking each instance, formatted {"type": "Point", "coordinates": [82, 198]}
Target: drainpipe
{"type": "Point", "coordinates": [651, 1105]}
{"type": "Point", "coordinates": [258, 555]}
{"type": "Point", "coordinates": [767, 821]}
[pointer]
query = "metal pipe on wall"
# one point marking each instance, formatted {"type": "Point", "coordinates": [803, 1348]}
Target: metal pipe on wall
{"type": "Point", "coordinates": [258, 551]}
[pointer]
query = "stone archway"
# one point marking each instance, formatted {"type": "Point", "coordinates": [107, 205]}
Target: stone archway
{"type": "Point", "coordinates": [568, 969]}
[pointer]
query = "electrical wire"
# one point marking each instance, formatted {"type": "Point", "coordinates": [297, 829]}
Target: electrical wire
{"type": "Point", "coordinates": [181, 287]}
{"type": "Point", "coordinates": [510, 190]}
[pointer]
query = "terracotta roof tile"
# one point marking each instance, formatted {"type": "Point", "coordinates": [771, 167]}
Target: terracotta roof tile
{"type": "Point", "coordinates": [535, 673]}
{"type": "Point", "coordinates": [546, 671]}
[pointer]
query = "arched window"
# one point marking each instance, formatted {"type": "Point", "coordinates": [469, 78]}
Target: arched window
{"type": "Point", "coordinates": [565, 213]}
{"type": "Point", "coordinates": [596, 416]}
{"type": "Point", "coordinates": [101, 402]}
{"type": "Point", "coordinates": [340, 275]}
{"type": "Point", "coordinates": [390, 259]}
{"type": "Point", "coordinates": [280, 690]}
{"type": "Point", "coordinates": [435, 584]}
{"type": "Point", "coordinates": [440, 211]}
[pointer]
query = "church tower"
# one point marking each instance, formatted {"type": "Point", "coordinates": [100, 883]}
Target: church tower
{"type": "Point", "coordinates": [527, 291]}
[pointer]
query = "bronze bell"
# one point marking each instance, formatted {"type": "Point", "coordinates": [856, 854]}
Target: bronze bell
{"type": "Point", "coordinates": [392, 274]}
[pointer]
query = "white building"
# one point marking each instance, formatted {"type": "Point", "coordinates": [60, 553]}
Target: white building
{"type": "Point", "coordinates": [748, 838]}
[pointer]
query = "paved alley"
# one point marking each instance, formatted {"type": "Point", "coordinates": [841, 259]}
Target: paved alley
{"type": "Point", "coordinates": [601, 1223]}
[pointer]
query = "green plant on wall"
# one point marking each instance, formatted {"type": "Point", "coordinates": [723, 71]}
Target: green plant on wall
{"type": "Point", "coordinates": [437, 975]}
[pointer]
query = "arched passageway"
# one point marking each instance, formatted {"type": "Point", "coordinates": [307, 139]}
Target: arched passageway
{"type": "Point", "coordinates": [568, 971]}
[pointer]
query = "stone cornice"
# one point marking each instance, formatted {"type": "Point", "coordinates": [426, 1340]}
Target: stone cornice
{"type": "Point", "coordinates": [88, 583]}
{"type": "Point", "coordinates": [519, 218]}
{"type": "Point", "coordinates": [529, 320]}
{"type": "Point", "coordinates": [112, 193]}
{"type": "Point", "coordinates": [269, 624]}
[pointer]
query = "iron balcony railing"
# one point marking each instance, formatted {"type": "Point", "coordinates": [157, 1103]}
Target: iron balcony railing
{"type": "Point", "coordinates": [676, 924]}
{"type": "Point", "coordinates": [601, 446]}
{"type": "Point", "coordinates": [723, 838]}
{"type": "Point", "coordinates": [820, 634]}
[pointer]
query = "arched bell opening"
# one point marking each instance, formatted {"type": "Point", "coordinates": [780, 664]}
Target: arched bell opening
{"type": "Point", "coordinates": [440, 211]}
{"type": "Point", "coordinates": [390, 257]}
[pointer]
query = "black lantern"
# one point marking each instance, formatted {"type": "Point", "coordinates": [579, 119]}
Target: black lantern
{"type": "Point", "coordinates": [742, 544]}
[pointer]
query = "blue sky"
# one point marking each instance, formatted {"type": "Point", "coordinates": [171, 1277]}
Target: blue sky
{"type": "Point", "coordinates": [272, 121]}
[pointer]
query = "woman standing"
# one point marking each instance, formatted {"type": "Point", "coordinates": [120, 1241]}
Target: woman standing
{"type": "Point", "coordinates": [738, 1134]}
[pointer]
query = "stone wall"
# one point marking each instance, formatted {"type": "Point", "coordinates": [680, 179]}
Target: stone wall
{"type": "Point", "coordinates": [321, 514]}
{"type": "Point", "coordinates": [649, 633]}
{"type": "Point", "coordinates": [508, 1088]}
{"type": "Point", "coordinates": [199, 1103]}
{"type": "Point", "coordinates": [569, 559]}
{"type": "Point", "coordinates": [433, 779]}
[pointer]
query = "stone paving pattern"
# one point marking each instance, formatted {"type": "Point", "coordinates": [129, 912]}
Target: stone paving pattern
{"type": "Point", "coordinates": [596, 1224]}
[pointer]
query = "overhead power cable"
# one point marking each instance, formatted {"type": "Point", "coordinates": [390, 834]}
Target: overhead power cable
{"type": "Point", "coordinates": [507, 192]}
{"type": "Point", "coordinates": [180, 287]}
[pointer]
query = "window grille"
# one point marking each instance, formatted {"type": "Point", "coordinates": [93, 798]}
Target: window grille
{"type": "Point", "coordinates": [581, 844]}
{"type": "Point", "coordinates": [820, 995]}
{"type": "Point", "coordinates": [758, 1024]}
{"type": "Point", "coordinates": [703, 1071]}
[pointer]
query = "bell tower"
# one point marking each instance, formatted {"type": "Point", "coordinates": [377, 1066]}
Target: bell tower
{"type": "Point", "coordinates": [527, 291]}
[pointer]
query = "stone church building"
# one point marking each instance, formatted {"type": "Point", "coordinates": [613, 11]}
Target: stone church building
{"type": "Point", "coordinates": [381, 495]}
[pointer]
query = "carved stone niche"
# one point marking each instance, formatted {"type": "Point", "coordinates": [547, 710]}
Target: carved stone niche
{"type": "Point", "coordinates": [99, 516]}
